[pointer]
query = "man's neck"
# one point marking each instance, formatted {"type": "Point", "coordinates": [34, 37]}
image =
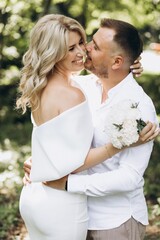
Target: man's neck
{"type": "Point", "coordinates": [110, 82]}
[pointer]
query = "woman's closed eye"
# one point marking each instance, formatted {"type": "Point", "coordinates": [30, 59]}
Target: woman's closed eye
{"type": "Point", "coordinates": [81, 42]}
{"type": "Point", "coordinates": [71, 49]}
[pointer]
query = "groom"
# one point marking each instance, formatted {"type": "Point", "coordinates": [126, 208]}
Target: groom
{"type": "Point", "coordinates": [116, 203]}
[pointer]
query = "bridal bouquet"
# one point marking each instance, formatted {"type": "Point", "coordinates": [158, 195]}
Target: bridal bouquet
{"type": "Point", "coordinates": [124, 123]}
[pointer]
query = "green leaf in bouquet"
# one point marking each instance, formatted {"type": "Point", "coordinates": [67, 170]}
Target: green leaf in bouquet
{"type": "Point", "coordinates": [118, 126]}
{"type": "Point", "coordinates": [140, 125]}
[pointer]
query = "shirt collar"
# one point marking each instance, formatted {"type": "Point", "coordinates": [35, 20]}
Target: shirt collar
{"type": "Point", "coordinates": [116, 89]}
{"type": "Point", "coordinates": [113, 91]}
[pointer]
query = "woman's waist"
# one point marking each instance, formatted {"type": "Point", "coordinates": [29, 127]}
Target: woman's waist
{"type": "Point", "coordinates": [39, 190]}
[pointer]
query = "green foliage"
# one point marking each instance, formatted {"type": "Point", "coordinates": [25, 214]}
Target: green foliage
{"type": "Point", "coordinates": [9, 213]}
{"type": "Point", "coordinates": [12, 122]}
{"type": "Point", "coordinates": [17, 17]}
{"type": "Point", "coordinates": [150, 84]}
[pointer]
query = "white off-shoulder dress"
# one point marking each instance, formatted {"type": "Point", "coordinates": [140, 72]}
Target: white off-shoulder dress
{"type": "Point", "coordinates": [59, 146]}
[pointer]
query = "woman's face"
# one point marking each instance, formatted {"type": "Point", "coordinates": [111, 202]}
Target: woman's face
{"type": "Point", "coordinates": [73, 62]}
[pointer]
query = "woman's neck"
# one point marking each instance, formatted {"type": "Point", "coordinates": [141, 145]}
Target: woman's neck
{"type": "Point", "coordinates": [60, 77]}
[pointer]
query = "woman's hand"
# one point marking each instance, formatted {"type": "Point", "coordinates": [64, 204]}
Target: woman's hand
{"type": "Point", "coordinates": [149, 132]}
{"type": "Point", "coordinates": [137, 68]}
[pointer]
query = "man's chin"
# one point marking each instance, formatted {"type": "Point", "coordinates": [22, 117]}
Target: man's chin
{"type": "Point", "coordinates": [88, 65]}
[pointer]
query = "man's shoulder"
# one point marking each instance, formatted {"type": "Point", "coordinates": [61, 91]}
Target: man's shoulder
{"type": "Point", "coordinates": [136, 93]}
{"type": "Point", "coordinates": [135, 90]}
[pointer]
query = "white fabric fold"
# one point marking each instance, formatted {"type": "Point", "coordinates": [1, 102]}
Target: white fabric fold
{"type": "Point", "coordinates": [60, 145]}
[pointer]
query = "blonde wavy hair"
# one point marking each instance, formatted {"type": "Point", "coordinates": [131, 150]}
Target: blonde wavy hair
{"type": "Point", "coordinates": [48, 45]}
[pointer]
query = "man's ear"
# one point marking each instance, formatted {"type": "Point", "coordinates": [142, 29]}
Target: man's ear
{"type": "Point", "coordinates": [117, 62]}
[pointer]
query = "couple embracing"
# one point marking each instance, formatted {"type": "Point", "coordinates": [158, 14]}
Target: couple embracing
{"type": "Point", "coordinates": [69, 144]}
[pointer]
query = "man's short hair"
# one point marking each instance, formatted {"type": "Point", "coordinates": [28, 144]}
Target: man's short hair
{"type": "Point", "coordinates": [126, 36]}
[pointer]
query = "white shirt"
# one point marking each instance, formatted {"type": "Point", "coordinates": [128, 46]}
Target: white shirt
{"type": "Point", "coordinates": [115, 187]}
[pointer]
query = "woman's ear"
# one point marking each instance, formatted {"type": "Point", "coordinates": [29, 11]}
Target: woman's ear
{"type": "Point", "coordinates": [117, 62]}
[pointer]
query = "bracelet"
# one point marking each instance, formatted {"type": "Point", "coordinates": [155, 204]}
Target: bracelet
{"type": "Point", "coordinates": [66, 185]}
{"type": "Point", "coordinates": [106, 147]}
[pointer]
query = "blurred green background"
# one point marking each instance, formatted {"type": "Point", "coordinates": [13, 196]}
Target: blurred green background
{"type": "Point", "coordinates": [17, 17]}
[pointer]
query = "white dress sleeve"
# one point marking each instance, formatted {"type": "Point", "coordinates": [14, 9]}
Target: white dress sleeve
{"type": "Point", "coordinates": [60, 145]}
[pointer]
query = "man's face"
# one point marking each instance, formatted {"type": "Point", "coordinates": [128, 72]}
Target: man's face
{"type": "Point", "coordinates": [100, 52]}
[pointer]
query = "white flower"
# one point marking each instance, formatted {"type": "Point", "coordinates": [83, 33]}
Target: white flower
{"type": "Point", "coordinates": [129, 132]}
{"type": "Point", "coordinates": [123, 123]}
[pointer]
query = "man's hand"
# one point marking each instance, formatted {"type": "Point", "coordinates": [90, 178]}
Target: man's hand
{"type": "Point", "coordinates": [27, 168]}
{"type": "Point", "coordinates": [59, 184]}
{"type": "Point", "coordinates": [27, 165]}
{"type": "Point", "coordinates": [137, 68]}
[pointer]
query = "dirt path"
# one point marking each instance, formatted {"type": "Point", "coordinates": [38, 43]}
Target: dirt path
{"type": "Point", "coordinates": [153, 233]}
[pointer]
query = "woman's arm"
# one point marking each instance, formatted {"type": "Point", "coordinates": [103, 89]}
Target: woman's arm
{"type": "Point", "coordinates": [98, 155]}
{"type": "Point", "coordinates": [148, 133]}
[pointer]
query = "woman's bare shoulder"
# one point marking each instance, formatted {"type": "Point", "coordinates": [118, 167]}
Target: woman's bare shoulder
{"type": "Point", "coordinates": [58, 99]}
{"type": "Point", "coordinates": [70, 97]}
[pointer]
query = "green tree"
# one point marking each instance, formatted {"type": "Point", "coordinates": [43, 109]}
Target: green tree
{"type": "Point", "coordinates": [17, 17]}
